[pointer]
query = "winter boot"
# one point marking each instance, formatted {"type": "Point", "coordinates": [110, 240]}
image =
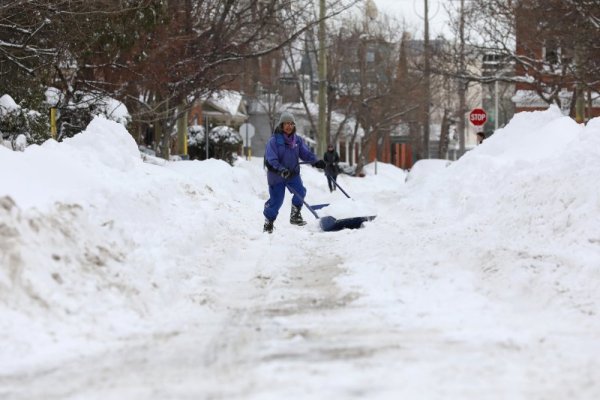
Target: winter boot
{"type": "Point", "coordinates": [268, 226]}
{"type": "Point", "coordinates": [296, 217]}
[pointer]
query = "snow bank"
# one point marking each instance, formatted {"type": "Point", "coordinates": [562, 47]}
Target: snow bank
{"type": "Point", "coordinates": [535, 171]}
{"type": "Point", "coordinates": [94, 243]}
{"type": "Point", "coordinates": [516, 218]}
{"type": "Point", "coordinates": [75, 170]}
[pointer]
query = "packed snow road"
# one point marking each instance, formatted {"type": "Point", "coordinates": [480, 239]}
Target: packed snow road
{"type": "Point", "coordinates": [291, 330]}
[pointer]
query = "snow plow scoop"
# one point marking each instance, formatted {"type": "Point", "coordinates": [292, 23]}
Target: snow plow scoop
{"type": "Point", "coordinates": [329, 223]}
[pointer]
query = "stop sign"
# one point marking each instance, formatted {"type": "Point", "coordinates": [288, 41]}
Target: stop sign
{"type": "Point", "coordinates": [478, 116]}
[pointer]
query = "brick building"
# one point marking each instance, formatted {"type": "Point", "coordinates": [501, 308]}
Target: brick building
{"type": "Point", "coordinates": [557, 58]}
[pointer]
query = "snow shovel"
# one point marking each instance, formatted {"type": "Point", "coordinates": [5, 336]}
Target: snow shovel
{"type": "Point", "coordinates": [329, 223]}
{"type": "Point", "coordinates": [349, 223]}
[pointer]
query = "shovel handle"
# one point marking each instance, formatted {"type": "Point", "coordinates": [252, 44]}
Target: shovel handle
{"type": "Point", "coordinates": [291, 189]}
{"type": "Point", "coordinates": [330, 178]}
{"type": "Point", "coordinates": [336, 184]}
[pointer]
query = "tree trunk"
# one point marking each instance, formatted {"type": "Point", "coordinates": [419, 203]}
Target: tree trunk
{"type": "Point", "coordinates": [182, 128]}
{"type": "Point", "coordinates": [322, 134]}
{"type": "Point", "coordinates": [444, 136]}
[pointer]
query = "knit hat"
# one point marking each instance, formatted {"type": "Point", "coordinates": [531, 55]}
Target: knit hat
{"type": "Point", "coordinates": [286, 117]}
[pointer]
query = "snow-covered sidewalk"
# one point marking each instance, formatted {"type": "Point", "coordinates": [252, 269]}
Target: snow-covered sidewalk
{"type": "Point", "coordinates": [125, 280]}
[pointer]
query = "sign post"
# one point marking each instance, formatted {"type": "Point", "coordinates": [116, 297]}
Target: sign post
{"type": "Point", "coordinates": [247, 132]}
{"type": "Point", "coordinates": [53, 122]}
{"type": "Point", "coordinates": [478, 116]}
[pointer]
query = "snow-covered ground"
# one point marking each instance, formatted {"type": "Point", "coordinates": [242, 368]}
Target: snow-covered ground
{"type": "Point", "coordinates": [123, 279]}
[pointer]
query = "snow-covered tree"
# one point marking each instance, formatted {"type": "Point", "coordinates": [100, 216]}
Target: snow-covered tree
{"type": "Point", "coordinates": [20, 126]}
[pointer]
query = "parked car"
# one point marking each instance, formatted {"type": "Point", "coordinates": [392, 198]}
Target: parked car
{"type": "Point", "coordinates": [347, 169]}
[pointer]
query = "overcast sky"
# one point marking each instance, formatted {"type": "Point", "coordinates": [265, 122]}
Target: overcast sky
{"type": "Point", "coordinates": [413, 11]}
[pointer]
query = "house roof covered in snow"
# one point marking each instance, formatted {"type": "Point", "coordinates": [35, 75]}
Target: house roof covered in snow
{"type": "Point", "coordinates": [227, 102]}
{"type": "Point", "coordinates": [337, 118]}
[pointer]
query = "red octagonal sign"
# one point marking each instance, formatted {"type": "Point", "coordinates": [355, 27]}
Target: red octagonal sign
{"type": "Point", "coordinates": [478, 116]}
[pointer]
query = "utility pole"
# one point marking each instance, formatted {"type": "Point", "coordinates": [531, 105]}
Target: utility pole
{"type": "Point", "coordinates": [461, 82]}
{"type": "Point", "coordinates": [322, 134]}
{"type": "Point", "coordinates": [496, 109]}
{"type": "Point", "coordinates": [579, 89]}
{"type": "Point", "coordinates": [427, 83]}
{"type": "Point", "coordinates": [206, 141]}
{"type": "Point", "coordinates": [182, 129]}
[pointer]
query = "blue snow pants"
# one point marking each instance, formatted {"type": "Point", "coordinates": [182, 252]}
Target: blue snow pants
{"type": "Point", "coordinates": [277, 194]}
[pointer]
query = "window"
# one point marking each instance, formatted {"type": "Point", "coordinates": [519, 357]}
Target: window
{"type": "Point", "coordinates": [551, 52]}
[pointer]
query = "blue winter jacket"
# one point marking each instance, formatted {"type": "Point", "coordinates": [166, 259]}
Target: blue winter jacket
{"type": "Point", "coordinates": [280, 155]}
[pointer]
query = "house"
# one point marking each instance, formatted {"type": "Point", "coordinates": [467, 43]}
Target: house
{"type": "Point", "coordinates": [557, 58]}
{"type": "Point", "coordinates": [225, 107]}
{"type": "Point", "coordinates": [497, 94]}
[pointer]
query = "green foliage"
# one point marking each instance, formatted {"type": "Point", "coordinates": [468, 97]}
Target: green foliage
{"type": "Point", "coordinates": [34, 125]}
{"type": "Point", "coordinates": [122, 30]}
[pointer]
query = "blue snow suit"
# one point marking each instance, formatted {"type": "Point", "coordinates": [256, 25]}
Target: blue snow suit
{"type": "Point", "coordinates": [279, 154]}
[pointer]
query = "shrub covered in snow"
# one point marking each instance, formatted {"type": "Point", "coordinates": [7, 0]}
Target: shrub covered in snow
{"type": "Point", "coordinates": [224, 143]}
{"type": "Point", "coordinates": [20, 126]}
{"type": "Point", "coordinates": [78, 109]}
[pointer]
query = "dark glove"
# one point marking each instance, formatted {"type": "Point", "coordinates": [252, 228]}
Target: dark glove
{"type": "Point", "coordinates": [285, 173]}
{"type": "Point", "coordinates": [319, 164]}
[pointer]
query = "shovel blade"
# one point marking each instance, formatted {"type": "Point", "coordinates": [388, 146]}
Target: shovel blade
{"type": "Point", "coordinates": [330, 224]}
{"type": "Point", "coordinates": [319, 206]}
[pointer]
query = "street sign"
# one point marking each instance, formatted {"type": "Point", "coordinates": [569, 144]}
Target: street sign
{"type": "Point", "coordinates": [247, 132]}
{"type": "Point", "coordinates": [478, 116]}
